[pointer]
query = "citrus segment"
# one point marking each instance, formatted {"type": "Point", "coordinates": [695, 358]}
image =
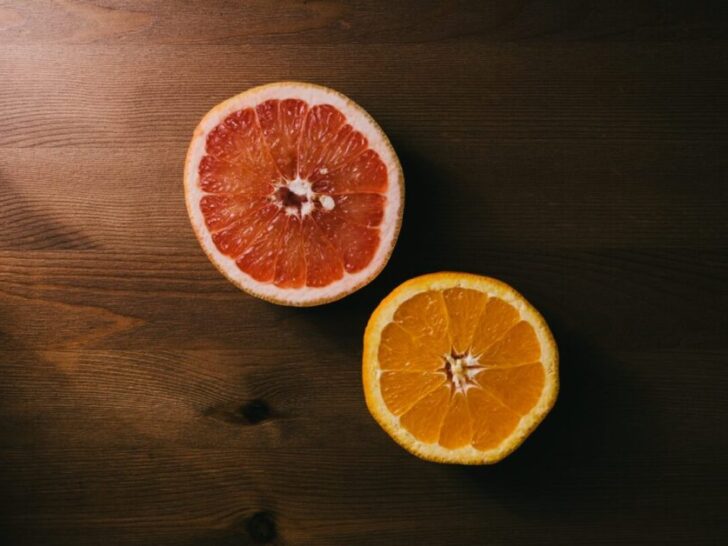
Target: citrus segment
{"type": "Point", "coordinates": [518, 346]}
{"type": "Point", "coordinates": [281, 123]}
{"type": "Point", "coordinates": [354, 243]}
{"type": "Point", "coordinates": [457, 428]}
{"type": "Point", "coordinates": [497, 318]}
{"type": "Point", "coordinates": [495, 422]}
{"type": "Point", "coordinates": [424, 419]}
{"type": "Point", "coordinates": [235, 237]}
{"type": "Point", "coordinates": [458, 367]}
{"type": "Point", "coordinates": [260, 257]}
{"type": "Point", "coordinates": [398, 351]}
{"type": "Point", "coordinates": [323, 261]}
{"type": "Point", "coordinates": [365, 173]}
{"type": "Point", "coordinates": [294, 193]}
{"type": "Point", "coordinates": [465, 307]}
{"type": "Point", "coordinates": [403, 389]}
{"type": "Point", "coordinates": [518, 388]}
{"type": "Point", "coordinates": [425, 317]}
{"type": "Point", "coordinates": [291, 264]}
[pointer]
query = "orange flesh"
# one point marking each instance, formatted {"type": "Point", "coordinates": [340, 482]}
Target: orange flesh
{"type": "Point", "coordinates": [276, 231]}
{"type": "Point", "coordinates": [459, 368]}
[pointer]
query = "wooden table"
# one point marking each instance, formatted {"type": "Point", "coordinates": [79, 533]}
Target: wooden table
{"type": "Point", "coordinates": [577, 150]}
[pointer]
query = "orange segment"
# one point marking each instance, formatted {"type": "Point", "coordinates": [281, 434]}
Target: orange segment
{"type": "Point", "coordinates": [492, 421]}
{"type": "Point", "coordinates": [518, 388]}
{"type": "Point", "coordinates": [518, 346]}
{"type": "Point", "coordinates": [403, 389]}
{"type": "Point", "coordinates": [457, 428]}
{"type": "Point", "coordinates": [497, 318]}
{"type": "Point", "coordinates": [424, 316]}
{"type": "Point", "coordinates": [398, 351]}
{"type": "Point", "coordinates": [458, 368]}
{"type": "Point", "coordinates": [424, 419]}
{"type": "Point", "coordinates": [464, 309]}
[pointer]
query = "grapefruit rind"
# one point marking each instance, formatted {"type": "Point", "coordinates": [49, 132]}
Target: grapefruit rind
{"type": "Point", "coordinates": [377, 141]}
{"type": "Point", "coordinates": [466, 455]}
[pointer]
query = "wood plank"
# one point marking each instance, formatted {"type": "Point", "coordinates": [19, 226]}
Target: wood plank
{"type": "Point", "coordinates": [577, 150]}
{"type": "Point", "coordinates": [158, 475]}
{"type": "Point", "coordinates": [341, 22]}
{"type": "Point", "coordinates": [539, 197]}
{"type": "Point", "coordinates": [71, 300]}
{"type": "Point", "coordinates": [133, 96]}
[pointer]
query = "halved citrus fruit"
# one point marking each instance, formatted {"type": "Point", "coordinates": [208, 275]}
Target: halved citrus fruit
{"type": "Point", "coordinates": [294, 192]}
{"type": "Point", "coordinates": [458, 368]}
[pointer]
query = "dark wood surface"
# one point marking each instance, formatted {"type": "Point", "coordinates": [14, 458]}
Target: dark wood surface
{"type": "Point", "coordinates": [577, 150]}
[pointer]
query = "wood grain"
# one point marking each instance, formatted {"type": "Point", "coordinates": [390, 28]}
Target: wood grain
{"type": "Point", "coordinates": [577, 150]}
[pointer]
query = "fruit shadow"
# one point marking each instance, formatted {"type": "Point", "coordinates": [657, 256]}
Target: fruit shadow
{"type": "Point", "coordinates": [427, 186]}
{"type": "Point", "coordinates": [592, 446]}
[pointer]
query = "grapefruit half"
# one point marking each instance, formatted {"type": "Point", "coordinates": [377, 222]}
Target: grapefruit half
{"type": "Point", "coordinates": [294, 192]}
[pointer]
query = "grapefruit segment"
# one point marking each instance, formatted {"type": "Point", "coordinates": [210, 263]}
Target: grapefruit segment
{"type": "Point", "coordinates": [236, 237]}
{"type": "Point", "coordinates": [260, 257]}
{"type": "Point", "coordinates": [365, 173]}
{"type": "Point", "coordinates": [294, 193]}
{"type": "Point", "coordinates": [364, 209]}
{"type": "Point", "coordinates": [320, 129]}
{"type": "Point", "coordinates": [291, 266]}
{"type": "Point", "coordinates": [458, 368]}
{"type": "Point", "coordinates": [222, 210]}
{"type": "Point", "coordinates": [355, 244]}
{"type": "Point", "coordinates": [220, 176]}
{"type": "Point", "coordinates": [238, 140]}
{"type": "Point", "coordinates": [323, 262]}
{"type": "Point", "coordinates": [281, 122]}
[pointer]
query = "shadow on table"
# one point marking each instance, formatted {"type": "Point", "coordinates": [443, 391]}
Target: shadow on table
{"type": "Point", "coordinates": [592, 444]}
{"type": "Point", "coordinates": [423, 227]}
{"type": "Point", "coordinates": [590, 447]}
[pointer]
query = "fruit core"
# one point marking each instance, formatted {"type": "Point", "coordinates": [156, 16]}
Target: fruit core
{"type": "Point", "coordinates": [461, 370]}
{"type": "Point", "coordinates": [298, 199]}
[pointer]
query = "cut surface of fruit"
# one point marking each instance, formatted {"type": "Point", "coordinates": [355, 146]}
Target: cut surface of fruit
{"type": "Point", "coordinates": [458, 368]}
{"type": "Point", "coordinates": [294, 192]}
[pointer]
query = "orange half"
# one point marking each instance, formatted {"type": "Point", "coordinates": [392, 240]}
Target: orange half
{"type": "Point", "coordinates": [459, 368]}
